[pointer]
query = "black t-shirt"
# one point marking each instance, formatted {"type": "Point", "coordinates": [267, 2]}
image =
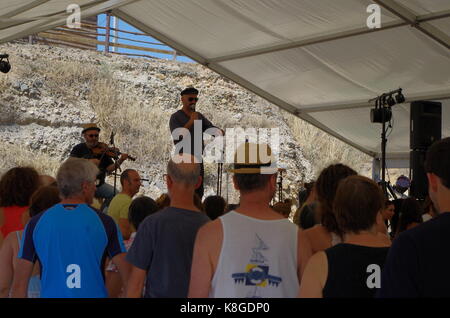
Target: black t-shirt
{"type": "Point", "coordinates": [179, 119]}
{"type": "Point", "coordinates": [354, 271]}
{"type": "Point", "coordinates": [82, 151]}
{"type": "Point", "coordinates": [418, 263]}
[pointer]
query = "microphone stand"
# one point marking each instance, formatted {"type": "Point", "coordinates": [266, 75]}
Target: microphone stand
{"type": "Point", "coordinates": [220, 174]}
{"type": "Point", "coordinates": [386, 187]}
{"type": "Point", "coordinates": [280, 187]}
{"type": "Point", "coordinates": [219, 178]}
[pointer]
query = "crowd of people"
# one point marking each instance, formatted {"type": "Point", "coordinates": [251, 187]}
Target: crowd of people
{"type": "Point", "coordinates": [55, 244]}
{"type": "Point", "coordinates": [71, 236]}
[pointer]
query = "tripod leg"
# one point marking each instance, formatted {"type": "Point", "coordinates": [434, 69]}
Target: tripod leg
{"type": "Point", "coordinates": [221, 177]}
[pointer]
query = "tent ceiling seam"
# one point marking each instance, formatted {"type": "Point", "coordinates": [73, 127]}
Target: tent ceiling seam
{"type": "Point", "coordinates": [49, 17]}
{"type": "Point", "coordinates": [327, 38]}
{"type": "Point", "coordinates": [55, 21]}
{"type": "Point", "coordinates": [411, 18]}
{"type": "Point", "coordinates": [23, 8]}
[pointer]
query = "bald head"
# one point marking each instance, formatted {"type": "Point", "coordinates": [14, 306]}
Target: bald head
{"type": "Point", "coordinates": [182, 169]}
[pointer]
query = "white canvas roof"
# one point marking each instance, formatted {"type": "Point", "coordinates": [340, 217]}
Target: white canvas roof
{"type": "Point", "coordinates": [316, 59]}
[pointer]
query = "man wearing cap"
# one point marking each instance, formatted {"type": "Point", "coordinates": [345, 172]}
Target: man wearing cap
{"type": "Point", "coordinates": [104, 163]}
{"type": "Point", "coordinates": [251, 252]}
{"type": "Point", "coordinates": [185, 118]}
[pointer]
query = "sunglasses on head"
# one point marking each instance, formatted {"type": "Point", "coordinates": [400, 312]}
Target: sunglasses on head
{"type": "Point", "coordinates": [192, 99]}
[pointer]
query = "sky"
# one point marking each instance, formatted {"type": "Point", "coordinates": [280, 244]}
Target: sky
{"type": "Point", "coordinates": [126, 27]}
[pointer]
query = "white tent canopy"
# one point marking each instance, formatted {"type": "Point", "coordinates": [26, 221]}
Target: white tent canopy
{"type": "Point", "coordinates": [316, 59]}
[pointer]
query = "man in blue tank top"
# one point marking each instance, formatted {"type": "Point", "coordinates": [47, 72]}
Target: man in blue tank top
{"type": "Point", "coordinates": [71, 240]}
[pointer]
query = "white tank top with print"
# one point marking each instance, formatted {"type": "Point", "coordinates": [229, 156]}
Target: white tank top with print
{"type": "Point", "coordinates": [258, 258]}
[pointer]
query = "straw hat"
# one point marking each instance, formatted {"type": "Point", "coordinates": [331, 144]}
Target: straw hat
{"type": "Point", "coordinates": [247, 159]}
{"type": "Point", "coordinates": [90, 126]}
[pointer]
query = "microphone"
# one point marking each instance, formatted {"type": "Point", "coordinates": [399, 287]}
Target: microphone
{"type": "Point", "coordinates": [193, 107]}
{"type": "Point", "coordinates": [111, 138]}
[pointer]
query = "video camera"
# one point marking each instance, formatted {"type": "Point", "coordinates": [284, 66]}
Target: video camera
{"type": "Point", "coordinates": [5, 66]}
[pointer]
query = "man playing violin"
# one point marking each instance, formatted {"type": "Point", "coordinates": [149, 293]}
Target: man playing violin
{"type": "Point", "coordinates": [94, 151]}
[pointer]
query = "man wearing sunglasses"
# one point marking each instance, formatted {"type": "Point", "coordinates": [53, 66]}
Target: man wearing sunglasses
{"type": "Point", "coordinates": [186, 118]}
{"type": "Point", "coordinates": [104, 163]}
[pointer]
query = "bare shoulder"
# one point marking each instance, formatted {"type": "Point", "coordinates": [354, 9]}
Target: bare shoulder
{"type": "Point", "coordinates": [210, 231]}
{"type": "Point", "coordinates": [319, 238]}
{"type": "Point", "coordinates": [11, 240]}
{"type": "Point", "coordinates": [10, 246]}
{"type": "Point", "coordinates": [211, 226]}
{"type": "Point", "coordinates": [318, 264]}
{"type": "Point", "coordinates": [313, 231]}
{"type": "Point", "coordinates": [302, 237]}
{"type": "Point", "coordinates": [209, 241]}
{"type": "Point", "coordinates": [319, 259]}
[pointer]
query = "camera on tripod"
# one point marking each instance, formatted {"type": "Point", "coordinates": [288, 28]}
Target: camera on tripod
{"type": "Point", "coordinates": [382, 112]}
{"type": "Point", "coordinates": [5, 66]}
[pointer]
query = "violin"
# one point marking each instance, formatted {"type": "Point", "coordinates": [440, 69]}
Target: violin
{"type": "Point", "coordinates": [103, 149]}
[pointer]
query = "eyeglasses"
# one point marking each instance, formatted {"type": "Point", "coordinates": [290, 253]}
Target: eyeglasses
{"type": "Point", "coordinates": [192, 99]}
{"type": "Point", "coordinates": [93, 135]}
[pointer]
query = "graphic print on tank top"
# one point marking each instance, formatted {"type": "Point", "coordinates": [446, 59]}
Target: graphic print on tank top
{"type": "Point", "coordinates": [257, 271]}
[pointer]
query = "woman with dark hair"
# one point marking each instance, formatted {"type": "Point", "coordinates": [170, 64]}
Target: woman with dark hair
{"type": "Point", "coordinates": [43, 199]}
{"type": "Point", "coordinates": [305, 216]}
{"type": "Point", "coordinates": [387, 214]}
{"type": "Point", "coordinates": [214, 206]}
{"type": "Point", "coordinates": [16, 187]}
{"type": "Point", "coordinates": [139, 209]}
{"type": "Point", "coordinates": [410, 215]}
{"type": "Point", "coordinates": [327, 234]}
{"type": "Point", "coordinates": [352, 268]}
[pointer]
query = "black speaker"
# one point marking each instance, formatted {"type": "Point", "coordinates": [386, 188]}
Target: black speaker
{"type": "Point", "coordinates": [426, 124]}
{"type": "Point", "coordinates": [419, 182]}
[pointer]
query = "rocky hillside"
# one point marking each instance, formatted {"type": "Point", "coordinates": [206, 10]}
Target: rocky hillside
{"type": "Point", "coordinates": [51, 91]}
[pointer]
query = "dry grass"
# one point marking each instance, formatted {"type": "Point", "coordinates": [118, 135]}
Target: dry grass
{"type": "Point", "coordinates": [64, 79]}
{"type": "Point", "coordinates": [141, 132]}
{"type": "Point", "coordinates": [322, 149]}
{"type": "Point", "coordinates": [67, 78]}
{"type": "Point", "coordinates": [14, 156]}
